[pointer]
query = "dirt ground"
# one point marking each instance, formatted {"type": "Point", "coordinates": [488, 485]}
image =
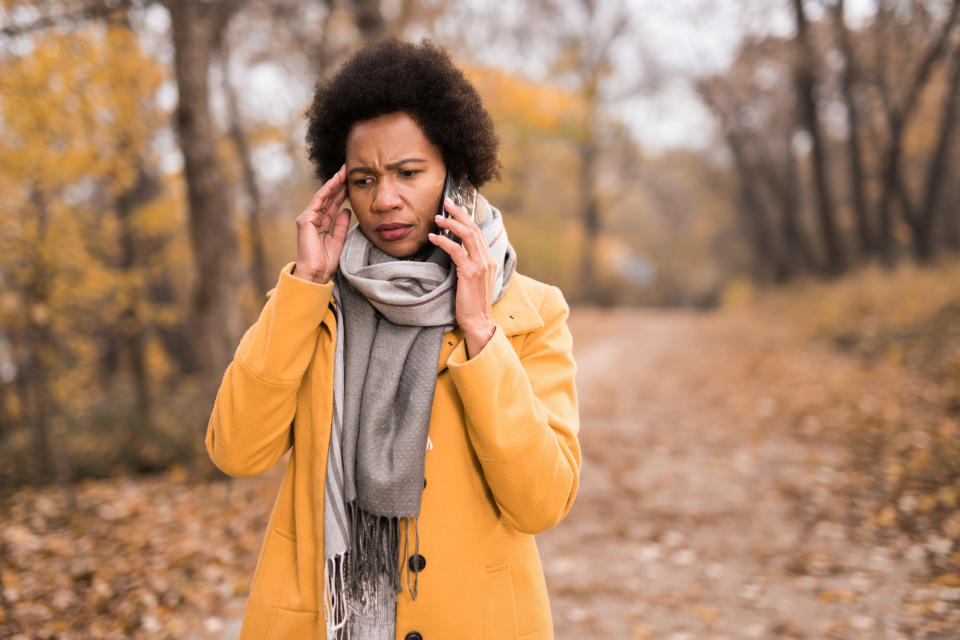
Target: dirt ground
{"type": "Point", "coordinates": [707, 506]}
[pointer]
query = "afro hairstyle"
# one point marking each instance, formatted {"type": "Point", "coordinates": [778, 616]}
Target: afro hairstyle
{"type": "Point", "coordinates": [420, 80]}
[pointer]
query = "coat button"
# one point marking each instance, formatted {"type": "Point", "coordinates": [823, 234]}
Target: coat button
{"type": "Point", "coordinates": [424, 483]}
{"type": "Point", "coordinates": [413, 635]}
{"type": "Point", "coordinates": [417, 563]}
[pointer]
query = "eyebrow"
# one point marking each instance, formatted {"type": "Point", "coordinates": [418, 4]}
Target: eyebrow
{"type": "Point", "coordinates": [391, 167]}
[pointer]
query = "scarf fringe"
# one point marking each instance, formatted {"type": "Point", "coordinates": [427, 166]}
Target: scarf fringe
{"type": "Point", "coordinates": [352, 587]}
{"type": "Point", "coordinates": [334, 598]}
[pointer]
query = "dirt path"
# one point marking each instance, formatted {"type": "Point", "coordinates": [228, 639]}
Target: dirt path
{"type": "Point", "coordinates": [704, 511]}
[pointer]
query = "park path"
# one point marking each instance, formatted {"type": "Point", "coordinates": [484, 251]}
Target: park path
{"type": "Point", "coordinates": [706, 507]}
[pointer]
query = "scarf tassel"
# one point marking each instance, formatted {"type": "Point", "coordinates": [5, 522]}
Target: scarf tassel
{"type": "Point", "coordinates": [351, 588]}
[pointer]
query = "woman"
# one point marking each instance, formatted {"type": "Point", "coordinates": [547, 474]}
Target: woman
{"type": "Point", "coordinates": [425, 387]}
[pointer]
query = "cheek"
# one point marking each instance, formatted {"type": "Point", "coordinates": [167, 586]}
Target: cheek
{"type": "Point", "coordinates": [428, 204]}
{"type": "Point", "coordinates": [360, 204]}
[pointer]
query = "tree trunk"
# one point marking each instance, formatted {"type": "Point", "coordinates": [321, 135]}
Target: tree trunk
{"type": "Point", "coordinates": [35, 388]}
{"type": "Point", "coordinates": [590, 218]}
{"type": "Point", "coordinates": [933, 186]}
{"type": "Point", "coordinates": [132, 328]}
{"type": "Point", "coordinates": [769, 263]}
{"type": "Point", "coordinates": [805, 85]}
{"type": "Point", "coordinates": [897, 117]}
{"type": "Point", "coordinates": [885, 246]}
{"type": "Point", "coordinates": [216, 313]}
{"type": "Point", "coordinates": [854, 151]}
{"type": "Point", "coordinates": [369, 19]}
{"type": "Point", "coordinates": [258, 262]}
{"type": "Point", "coordinates": [797, 254]}
{"type": "Point", "coordinates": [951, 224]}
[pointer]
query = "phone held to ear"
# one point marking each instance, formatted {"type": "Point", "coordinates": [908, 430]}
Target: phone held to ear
{"type": "Point", "coordinates": [463, 194]}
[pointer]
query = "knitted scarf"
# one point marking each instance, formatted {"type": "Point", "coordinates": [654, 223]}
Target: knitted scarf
{"type": "Point", "coordinates": [391, 318]}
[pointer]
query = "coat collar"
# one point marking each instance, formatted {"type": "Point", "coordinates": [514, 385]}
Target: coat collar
{"type": "Point", "coordinates": [514, 313]}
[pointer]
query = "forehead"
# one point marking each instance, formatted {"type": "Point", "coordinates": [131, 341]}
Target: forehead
{"type": "Point", "coordinates": [387, 138]}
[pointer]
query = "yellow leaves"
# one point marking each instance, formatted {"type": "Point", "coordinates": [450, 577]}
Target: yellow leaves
{"type": "Point", "coordinates": [706, 612]}
{"type": "Point", "coordinates": [948, 580]}
{"type": "Point", "coordinates": [131, 551]}
{"type": "Point", "coordinates": [893, 470]}
{"type": "Point", "coordinates": [920, 459]}
{"type": "Point", "coordinates": [178, 474]}
{"type": "Point", "coordinates": [947, 429]}
{"type": "Point", "coordinates": [842, 596]}
{"type": "Point", "coordinates": [886, 518]}
{"type": "Point", "coordinates": [923, 608]}
{"type": "Point", "coordinates": [80, 104]}
{"type": "Point", "coordinates": [516, 102]}
{"type": "Point", "coordinates": [948, 496]}
{"type": "Point", "coordinates": [894, 354]}
{"type": "Point", "coordinates": [40, 314]}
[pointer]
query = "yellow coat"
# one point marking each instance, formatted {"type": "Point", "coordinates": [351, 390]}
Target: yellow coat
{"type": "Point", "coordinates": [505, 464]}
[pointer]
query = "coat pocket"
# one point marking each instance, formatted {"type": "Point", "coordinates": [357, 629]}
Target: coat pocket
{"type": "Point", "coordinates": [274, 604]}
{"type": "Point", "coordinates": [294, 625]}
{"type": "Point", "coordinates": [499, 604]}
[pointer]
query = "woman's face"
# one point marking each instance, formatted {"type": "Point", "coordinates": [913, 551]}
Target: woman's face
{"type": "Point", "coordinates": [394, 182]}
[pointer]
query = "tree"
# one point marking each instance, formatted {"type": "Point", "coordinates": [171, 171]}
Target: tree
{"type": "Point", "coordinates": [805, 81]}
{"type": "Point", "coordinates": [898, 114]}
{"type": "Point", "coordinates": [216, 314]}
{"type": "Point", "coordinates": [69, 255]}
{"type": "Point", "coordinates": [850, 79]}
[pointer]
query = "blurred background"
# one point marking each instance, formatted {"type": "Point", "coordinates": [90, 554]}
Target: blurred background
{"type": "Point", "coordinates": [752, 205]}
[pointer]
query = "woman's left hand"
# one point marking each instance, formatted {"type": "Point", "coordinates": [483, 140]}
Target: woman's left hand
{"type": "Point", "coordinates": [476, 271]}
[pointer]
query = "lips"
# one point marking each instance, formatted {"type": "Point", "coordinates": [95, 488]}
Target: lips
{"type": "Point", "coordinates": [393, 230]}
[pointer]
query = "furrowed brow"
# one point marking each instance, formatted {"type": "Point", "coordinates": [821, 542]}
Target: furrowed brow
{"type": "Point", "coordinates": [393, 166]}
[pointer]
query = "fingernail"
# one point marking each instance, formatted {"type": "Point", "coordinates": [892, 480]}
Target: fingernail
{"type": "Point", "coordinates": [438, 217]}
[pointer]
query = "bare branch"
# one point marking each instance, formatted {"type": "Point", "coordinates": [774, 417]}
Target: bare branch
{"type": "Point", "coordinates": [94, 11]}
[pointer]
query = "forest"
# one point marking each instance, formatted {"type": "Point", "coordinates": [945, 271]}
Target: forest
{"type": "Point", "coordinates": [773, 165]}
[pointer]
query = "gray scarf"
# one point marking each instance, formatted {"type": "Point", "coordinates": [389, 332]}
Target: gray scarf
{"type": "Point", "coordinates": [391, 318]}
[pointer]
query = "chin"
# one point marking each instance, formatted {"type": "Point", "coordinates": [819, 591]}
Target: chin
{"type": "Point", "coordinates": [405, 250]}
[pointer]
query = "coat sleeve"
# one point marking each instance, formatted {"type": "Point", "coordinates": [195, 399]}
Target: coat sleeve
{"type": "Point", "coordinates": [250, 426]}
{"type": "Point", "coordinates": [522, 418]}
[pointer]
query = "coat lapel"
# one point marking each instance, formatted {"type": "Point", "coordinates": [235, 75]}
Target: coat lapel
{"type": "Point", "coordinates": [514, 313]}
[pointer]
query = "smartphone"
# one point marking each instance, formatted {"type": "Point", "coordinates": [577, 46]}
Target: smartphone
{"type": "Point", "coordinates": [463, 194]}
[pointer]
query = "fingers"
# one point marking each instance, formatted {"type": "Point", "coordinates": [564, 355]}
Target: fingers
{"type": "Point", "coordinates": [468, 231]}
{"type": "Point", "coordinates": [332, 190]}
{"type": "Point", "coordinates": [458, 228]}
{"type": "Point", "coordinates": [456, 251]}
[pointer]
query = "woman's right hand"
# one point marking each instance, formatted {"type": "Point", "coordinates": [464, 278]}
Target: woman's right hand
{"type": "Point", "coordinates": [321, 230]}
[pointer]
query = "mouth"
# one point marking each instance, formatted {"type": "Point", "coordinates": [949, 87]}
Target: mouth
{"type": "Point", "coordinates": [393, 230]}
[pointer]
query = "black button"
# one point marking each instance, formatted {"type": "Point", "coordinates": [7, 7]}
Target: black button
{"type": "Point", "coordinates": [417, 563]}
{"type": "Point", "coordinates": [413, 635]}
{"type": "Point", "coordinates": [424, 483]}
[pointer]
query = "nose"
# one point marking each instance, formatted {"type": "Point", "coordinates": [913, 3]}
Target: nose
{"type": "Point", "coordinates": [386, 197]}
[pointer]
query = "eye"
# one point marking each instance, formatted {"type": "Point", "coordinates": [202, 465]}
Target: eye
{"type": "Point", "coordinates": [409, 173]}
{"type": "Point", "coordinates": [360, 182]}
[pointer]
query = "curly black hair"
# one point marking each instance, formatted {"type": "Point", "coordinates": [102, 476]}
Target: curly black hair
{"type": "Point", "coordinates": [388, 76]}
